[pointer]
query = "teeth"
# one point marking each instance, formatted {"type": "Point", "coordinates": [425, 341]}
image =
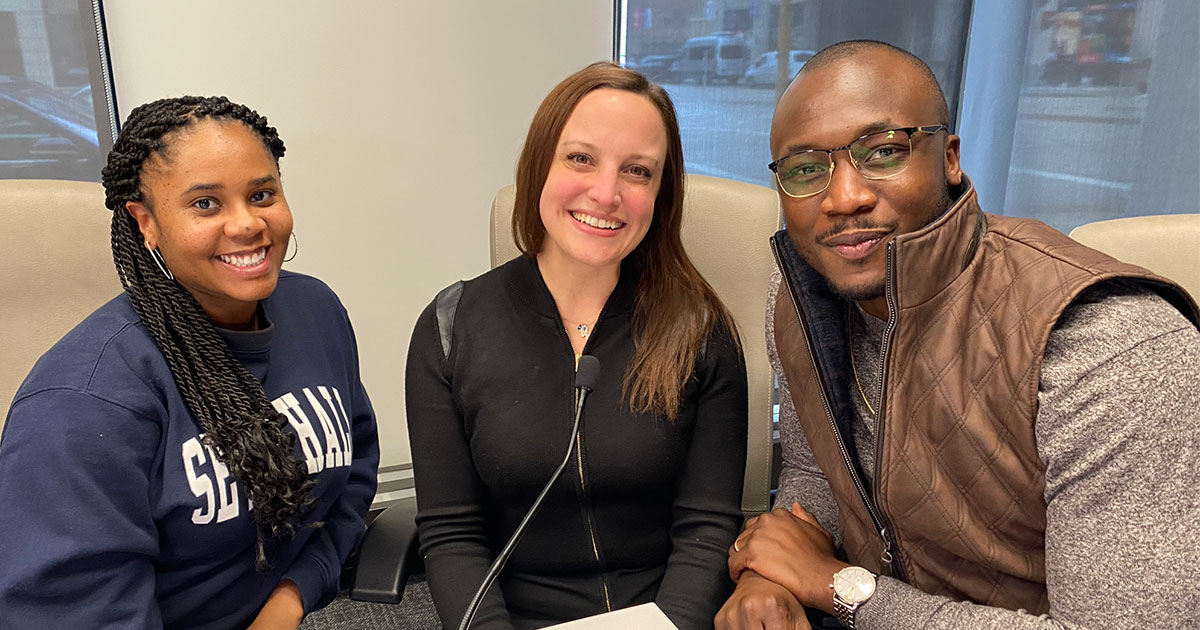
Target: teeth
{"type": "Point", "coordinates": [596, 221]}
{"type": "Point", "coordinates": [245, 260]}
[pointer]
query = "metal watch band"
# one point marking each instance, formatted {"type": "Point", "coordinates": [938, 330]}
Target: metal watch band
{"type": "Point", "coordinates": [844, 612]}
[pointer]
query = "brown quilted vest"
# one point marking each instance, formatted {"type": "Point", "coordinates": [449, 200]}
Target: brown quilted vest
{"type": "Point", "coordinates": [958, 481]}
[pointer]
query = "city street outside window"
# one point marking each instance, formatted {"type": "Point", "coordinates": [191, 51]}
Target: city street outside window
{"type": "Point", "coordinates": [49, 64]}
{"type": "Point", "coordinates": [719, 61]}
{"type": "Point", "coordinates": [1098, 121]}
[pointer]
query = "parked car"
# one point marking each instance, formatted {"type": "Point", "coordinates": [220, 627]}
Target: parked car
{"type": "Point", "coordinates": [720, 56]}
{"type": "Point", "coordinates": [44, 135]}
{"type": "Point", "coordinates": [658, 67]}
{"type": "Point", "coordinates": [762, 72]}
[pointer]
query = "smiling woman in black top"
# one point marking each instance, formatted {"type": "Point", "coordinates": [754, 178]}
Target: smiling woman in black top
{"type": "Point", "coordinates": [650, 502]}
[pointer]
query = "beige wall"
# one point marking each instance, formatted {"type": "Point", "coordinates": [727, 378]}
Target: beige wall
{"type": "Point", "coordinates": [401, 118]}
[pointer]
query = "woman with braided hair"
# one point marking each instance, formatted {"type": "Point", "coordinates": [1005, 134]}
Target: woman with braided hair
{"type": "Point", "coordinates": [199, 452]}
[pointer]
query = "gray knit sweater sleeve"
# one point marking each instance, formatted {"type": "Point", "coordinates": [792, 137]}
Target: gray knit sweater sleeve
{"type": "Point", "coordinates": [1118, 428]}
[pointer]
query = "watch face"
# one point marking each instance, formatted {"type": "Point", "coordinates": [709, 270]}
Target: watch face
{"type": "Point", "coordinates": [854, 585]}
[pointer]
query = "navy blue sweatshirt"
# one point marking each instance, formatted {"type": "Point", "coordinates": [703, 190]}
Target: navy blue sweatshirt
{"type": "Point", "coordinates": [113, 514]}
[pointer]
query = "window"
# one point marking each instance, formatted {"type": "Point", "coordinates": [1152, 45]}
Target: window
{"type": "Point", "coordinates": [724, 79]}
{"type": "Point", "coordinates": [1098, 120]}
{"type": "Point", "coordinates": [57, 116]}
{"type": "Point", "coordinates": [43, 134]}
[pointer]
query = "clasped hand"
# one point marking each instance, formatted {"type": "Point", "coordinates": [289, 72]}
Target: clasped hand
{"type": "Point", "coordinates": [786, 549]}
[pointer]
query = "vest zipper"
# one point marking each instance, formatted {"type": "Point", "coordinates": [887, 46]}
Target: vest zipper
{"type": "Point", "coordinates": [889, 558]}
{"type": "Point", "coordinates": [876, 519]}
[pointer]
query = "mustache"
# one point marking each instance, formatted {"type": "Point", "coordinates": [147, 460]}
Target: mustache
{"type": "Point", "coordinates": [853, 225]}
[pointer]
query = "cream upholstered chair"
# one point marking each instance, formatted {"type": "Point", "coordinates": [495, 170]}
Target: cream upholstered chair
{"type": "Point", "coordinates": [56, 268]}
{"type": "Point", "coordinates": [726, 227]}
{"type": "Point", "coordinates": [1167, 244]}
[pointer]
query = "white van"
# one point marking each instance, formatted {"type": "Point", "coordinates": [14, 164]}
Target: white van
{"type": "Point", "coordinates": [762, 72]}
{"type": "Point", "coordinates": [721, 56]}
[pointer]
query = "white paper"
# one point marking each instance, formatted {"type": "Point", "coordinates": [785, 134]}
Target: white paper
{"type": "Point", "coordinates": [644, 617]}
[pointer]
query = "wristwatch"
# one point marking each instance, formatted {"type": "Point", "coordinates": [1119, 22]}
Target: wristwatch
{"type": "Point", "coordinates": [852, 587]}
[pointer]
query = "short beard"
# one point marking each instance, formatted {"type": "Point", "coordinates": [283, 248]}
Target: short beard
{"type": "Point", "coordinates": [860, 294]}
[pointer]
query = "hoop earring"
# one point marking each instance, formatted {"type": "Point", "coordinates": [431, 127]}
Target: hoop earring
{"type": "Point", "coordinates": [158, 259]}
{"type": "Point", "coordinates": [295, 251]}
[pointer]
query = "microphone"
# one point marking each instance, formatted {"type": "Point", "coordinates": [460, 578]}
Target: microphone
{"type": "Point", "coordinates": [586, 372]}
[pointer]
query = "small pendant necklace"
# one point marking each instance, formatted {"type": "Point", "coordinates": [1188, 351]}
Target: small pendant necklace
{"type": "Point", "coordinates": [582, 328]}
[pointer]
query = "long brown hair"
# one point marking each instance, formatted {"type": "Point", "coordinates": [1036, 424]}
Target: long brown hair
{"type": "Point", "coordinates": [675, 309]}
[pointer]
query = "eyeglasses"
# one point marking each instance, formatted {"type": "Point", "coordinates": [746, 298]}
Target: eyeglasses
{"type": "Point", "coordinates": [877, 155]}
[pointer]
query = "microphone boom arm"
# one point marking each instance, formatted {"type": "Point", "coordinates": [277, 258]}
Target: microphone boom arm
{"type": "Point", "coordinates": [584, 380]}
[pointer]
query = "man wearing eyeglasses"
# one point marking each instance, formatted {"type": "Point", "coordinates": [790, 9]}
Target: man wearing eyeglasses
{"type": "Point", "coordinates": [985, 424]}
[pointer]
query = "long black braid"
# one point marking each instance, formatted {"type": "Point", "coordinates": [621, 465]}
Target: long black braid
{"type": "Point", "coordinates": [238, 421]}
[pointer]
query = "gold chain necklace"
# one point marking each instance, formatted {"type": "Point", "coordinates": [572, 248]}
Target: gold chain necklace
{"type": "Point", "coordinates": [854, 368]}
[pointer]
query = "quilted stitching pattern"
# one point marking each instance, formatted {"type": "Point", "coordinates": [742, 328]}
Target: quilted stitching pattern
{"type": "Point", "coordinates": [960, 475]}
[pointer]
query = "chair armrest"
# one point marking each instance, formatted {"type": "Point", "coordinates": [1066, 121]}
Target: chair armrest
{"type": "Point", "coordinates": [388, 549]}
